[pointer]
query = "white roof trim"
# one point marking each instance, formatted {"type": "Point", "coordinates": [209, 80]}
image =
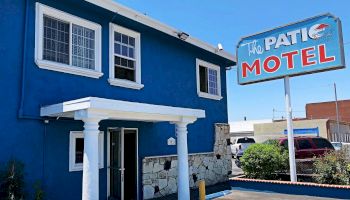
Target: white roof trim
{"type": "Point", "coordinates": [122, 110]}
{"type": "Point", "coordinates": [141, 18]}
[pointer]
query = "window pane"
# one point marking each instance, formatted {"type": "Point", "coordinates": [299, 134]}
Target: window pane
{"type": "Point", "coordinates": [245, 140]}
{"type": "Point", "coordinates": [213, 84]}
{"type": "Point", "coordinates": [131, 53]}
{"type": "Point", "coordinates": [83, 53]}
{"type": "Point", "coordinates": [117, 60]}
{"type": "Point", "coordinates": [117, 37]}
{"type": "Point", "coordinates": [117, 48]}
{"type": "Point", "coordinates": [79, 150]}
{"type": "Point", "coordinates": [203, 79]}
{"type": "Point", "coordinates": [131, 64]}
{"type": "Point", "coordinates": [124, 62]}
{"type": "Point", "coordinates": [56, 40]}
{"type": "Point", "coordinates": [304, 144]}
{"type": "Point", "coordinates": [124, 50]}
{"type": "Point", "coordinates": [123, 73]}
{"type": "Point", "coordinates": [125, 39]}
{"type": "Point", "coordinates": [132, 41]}
{"type": "Point", "coordinates": [322, 143]}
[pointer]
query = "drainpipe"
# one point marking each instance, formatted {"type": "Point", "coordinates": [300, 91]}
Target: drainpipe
{"type": "Point", "coordinates": [24, 65]}
{"type": "Point", "coordinates": [21, 115]}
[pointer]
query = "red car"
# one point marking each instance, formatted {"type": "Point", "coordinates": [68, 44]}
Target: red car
{"type": "Point", "coordinates": [308, 146]}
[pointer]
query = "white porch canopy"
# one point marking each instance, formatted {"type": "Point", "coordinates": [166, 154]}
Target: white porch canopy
{"type": "Point", "coordinates": [91, 110]}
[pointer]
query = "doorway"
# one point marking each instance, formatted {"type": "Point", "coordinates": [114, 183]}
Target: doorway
{"type": "Point", "coordinates": [122, 164]}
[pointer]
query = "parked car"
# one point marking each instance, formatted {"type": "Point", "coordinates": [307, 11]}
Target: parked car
{"type": "Point", "coordinates": [239, 145]}
{"type": "Point", "coordinates": [307, 146]}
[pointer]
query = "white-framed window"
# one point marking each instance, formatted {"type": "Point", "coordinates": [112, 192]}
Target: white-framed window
{"type": "Point", "coordinates": [208, 80]}
{"type": "Point", "coordinates": [124, 57]}
{"type": "Point", "coordinates": [66, 43]}
{"type": "Point", "coordinates": [76, 150]}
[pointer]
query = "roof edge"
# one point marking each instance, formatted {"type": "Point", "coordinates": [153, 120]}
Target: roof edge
{"type": "Point", "coordinates": [143, 19]}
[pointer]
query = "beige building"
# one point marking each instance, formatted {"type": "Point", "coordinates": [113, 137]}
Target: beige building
{"type": "Point", "coordinates": [245, 128]}
{"type": "Point", "coordinates": [326, 129]}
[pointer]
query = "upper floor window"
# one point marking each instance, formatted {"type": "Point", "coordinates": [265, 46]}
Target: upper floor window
{"type": "Point", "coordinates": [125, 60]}
{"type": "Point", "coordinates": [208, 80]}
{"type": "Point", "coordinates": [67, 43]}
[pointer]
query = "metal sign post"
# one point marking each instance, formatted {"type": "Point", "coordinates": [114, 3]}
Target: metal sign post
{"type": "Point", "coordinates": [292, 166]}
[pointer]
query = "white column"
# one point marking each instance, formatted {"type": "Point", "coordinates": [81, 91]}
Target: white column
{"type": "Point", "coordinates": [90, 164]}
{"type": "Point", "coordinates": [182, 163]}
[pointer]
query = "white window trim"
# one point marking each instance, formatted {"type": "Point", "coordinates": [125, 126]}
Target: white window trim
{"type": "Point", "coordinates": [42, 10]}
{"type": "Point", "coordinates": [211, 66]}
{"type": "Point", "coordinates": [121, 82]}
{"type": "Point", "coordinates": [73, 135]}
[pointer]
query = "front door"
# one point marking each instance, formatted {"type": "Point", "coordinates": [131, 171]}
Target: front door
{"type": "Point", "coordinates": [123, 164]}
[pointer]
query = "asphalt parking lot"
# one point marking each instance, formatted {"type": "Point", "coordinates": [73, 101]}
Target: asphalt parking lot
{"type": "Point", "coordinates": [236, 171]}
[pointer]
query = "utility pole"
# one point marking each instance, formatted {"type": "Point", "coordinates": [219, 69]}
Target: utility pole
{"type": "Point", "coordinates": [337, 112]}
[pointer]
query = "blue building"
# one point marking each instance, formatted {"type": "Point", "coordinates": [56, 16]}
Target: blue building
{"type": "Point", "coordinates": [96, 81]}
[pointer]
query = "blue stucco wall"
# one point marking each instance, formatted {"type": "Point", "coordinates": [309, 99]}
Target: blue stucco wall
{"type": "Point", "coordinates": [168, 73]}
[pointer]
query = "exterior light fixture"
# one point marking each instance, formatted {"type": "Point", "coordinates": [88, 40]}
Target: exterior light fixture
{"type": "Point", "coordinates": [219, 48]}
{"type": "Point", "coordinates": [183, 35]}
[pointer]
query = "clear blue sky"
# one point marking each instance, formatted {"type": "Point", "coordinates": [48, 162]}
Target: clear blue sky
{"type": "Point", "coordinates": [225, 21]}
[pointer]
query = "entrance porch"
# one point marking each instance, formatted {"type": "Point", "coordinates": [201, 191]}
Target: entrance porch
{"type": "Point", "coordinates": [92, 110]}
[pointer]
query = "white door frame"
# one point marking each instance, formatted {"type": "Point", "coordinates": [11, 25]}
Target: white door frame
{"type": "Point", "coordinates": [109, 129]}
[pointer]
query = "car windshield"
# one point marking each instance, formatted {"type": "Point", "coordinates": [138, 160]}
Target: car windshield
{"type": "Point", "coordinates": [322, 143]}
{"type": "Point", "coordinates": [245, 140]}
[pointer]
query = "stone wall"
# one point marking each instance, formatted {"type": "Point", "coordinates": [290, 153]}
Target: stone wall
{"type": "Point", "coordinates": [159, 174]}
{"type": "Point", "coordinates": [346, 148]}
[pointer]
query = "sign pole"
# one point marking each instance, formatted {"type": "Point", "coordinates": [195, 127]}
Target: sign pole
{"type": "Point", "coordinates": [293, 175]}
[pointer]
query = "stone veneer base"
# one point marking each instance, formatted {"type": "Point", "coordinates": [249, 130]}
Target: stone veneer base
{"type": "Point", "coordinates": [159, 173]}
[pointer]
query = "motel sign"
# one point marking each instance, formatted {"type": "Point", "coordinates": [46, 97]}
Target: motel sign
{"type": "Point", "coordinates": [309, 46]}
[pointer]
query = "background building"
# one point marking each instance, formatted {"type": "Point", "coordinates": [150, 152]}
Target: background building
{"type": "Point", "coordinates": [245, 128]}
{"type": "Point", "coordinates": [327, 110]}
{"type": "Point", "coordinates": [325, 128]}
{"type": "Point", "coordinates": [320, 121]}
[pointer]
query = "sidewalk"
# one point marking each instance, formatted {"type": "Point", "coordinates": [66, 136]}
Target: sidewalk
{"type": "Point", "coordinates": [194, 192]}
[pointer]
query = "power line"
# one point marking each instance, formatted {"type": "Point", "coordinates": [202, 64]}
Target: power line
{"type": "Point", "coordinates": [283, 111]}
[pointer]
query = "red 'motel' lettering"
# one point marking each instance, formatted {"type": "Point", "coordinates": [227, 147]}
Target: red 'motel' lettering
{"type": "Point", "coordinates": [305, 55]}
{"type": "Point", "coordinates": [277, 63]}
{"type": "Point", "coordinates": [255, 65]}
{"type": "Point", "coordinates": [290, 60]}
{"type": "Point", "coordinates": [323, 56]}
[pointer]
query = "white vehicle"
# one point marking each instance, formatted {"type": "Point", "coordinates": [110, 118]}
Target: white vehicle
{"type": "Point", "coordinates": [239, 145]}
{"type": "Point", "coordinates": [338, 145]}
